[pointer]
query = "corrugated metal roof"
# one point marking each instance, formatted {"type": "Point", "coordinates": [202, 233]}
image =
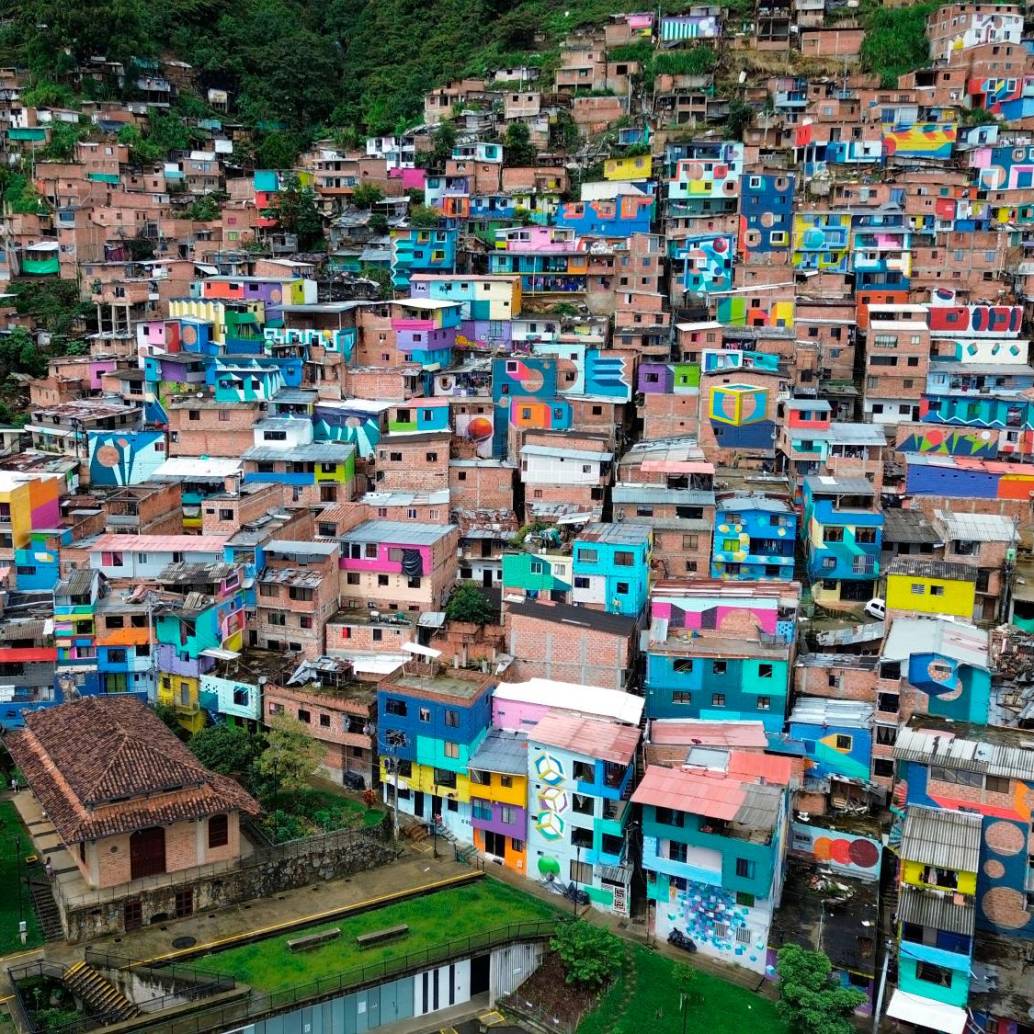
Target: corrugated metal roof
{"type": "Point", "coordinates": [964, 643]}
{"type": "Point", "coordinates": [315, 453]}
{"type": "Point", "coordinates": [928, 908]}
{"type": "Point", "coordinates": [632, 493]}
{"type": "Point", "coordinates": [977, 527]}
{"type": "Point", "coordinates": [573, 696]}
{"type": "Point", "coordinates": [694, 732]}
{"type": "Point", "coordinates": [502, 751]}
{"type": "Point", "coordinates": [908, 526]}
{"type": "Point", "coordinates": [932, 569]}
{"type": "Point", "coordinates": [409, 533]}
{"type": "Point", "coordinates": [942, 748]}
{"type": "Point", "coordinates": [77, 583]}
{"type": "Point", "coordinates": [714, 795]}
{"type": "Point", "coordinates": [945, 839]}
{"type": "Point", "coordinates": [826, 711]}
{"type": "Point", "coordinates": [159, 543]}
{"type": "Point", "coordinates": [566, 454]}
{"type": "Point", "coordinates": [855, 434]}
{"type": "Point", "coordinates": [590, 737]}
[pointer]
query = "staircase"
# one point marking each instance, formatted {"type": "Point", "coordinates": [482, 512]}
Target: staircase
{"type": "Point", "coordinates": [99, 993]}
{"type": "Point", "coordinates": [46, 910]}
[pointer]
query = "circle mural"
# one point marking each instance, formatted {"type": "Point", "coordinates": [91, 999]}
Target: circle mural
{"type": "Point", "coordinates": [1005, 838]}
{"type": "Point", "coordinates": [994, 869]}
{"type": "Point", "coordinates": [1005, 907]}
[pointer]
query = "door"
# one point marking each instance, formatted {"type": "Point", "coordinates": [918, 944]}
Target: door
{"type": "Point", "coordinates": [418, 804]}
{"type": "Point", "coordinates": [132, 915]}
{"type": "Point", "coordinates": [486, 578]}
{"type": "Point", "coordinates": [480, 968]}
{"type": "Point", "coordinates": [147, 852]}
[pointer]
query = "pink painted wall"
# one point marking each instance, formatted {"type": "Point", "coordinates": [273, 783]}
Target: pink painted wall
{"type": "Point", "coordinates": [381, 564]}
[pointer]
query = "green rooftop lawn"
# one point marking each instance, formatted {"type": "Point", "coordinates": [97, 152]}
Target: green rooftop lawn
{"type": "Point", "coordinates": [269, 965]}
{"type": "Point", "coordinates": [15, 845]}
{"type": "Point", "coordinates": [648, 999]}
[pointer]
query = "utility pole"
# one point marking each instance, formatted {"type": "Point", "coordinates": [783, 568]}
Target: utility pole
{"type": "Point", "coordinates": [878, 1009]}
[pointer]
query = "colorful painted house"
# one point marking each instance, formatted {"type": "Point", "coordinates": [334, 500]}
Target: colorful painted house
{"type": "Point", "coordinates": [703, 264]}
{"type": "Point", "coordinates": [611, 568]}
{"type": "Point", "coordinates": [766, 213]}
{"type": "Point", "coordinates": [822, 241]}
{"type": "Point", "coordinates": [430, 723]}
{"type": "Point", "coordinates": [837, 737]}
{"type": "Point", "coordinates": [580, 776]}
{"type": "Point", "coordinates": [755, 538]}
{"type": "Point", "coordinates": [714, 840]}
{"type": "Point", "coordinates": [75, 599]}
{"type": "Point", "coordinates": [28, 502]}
{"type": "Point", "coordinates": [498, 773]}
{"type": "Point", "coordinates": [924, 586]}
{"type": "Point", "coordinates": [618, 217]}
{"type": "Point", "coordinates": [421, 250]}
{"type": "Point", "coordinates": [425, 330]}
{"type": "Point", "coordinates": [940, 853]}
{"type": "Point", "coordinates": [943, 666]}
{"type": "Point", "coordinates": [548, 259]}
{"type": "Point", "coordinates": [535, 575]}
{"type": "Point", "coordinates": [843, 534]}
{"type": "Point", "coordinates": [721, 651]}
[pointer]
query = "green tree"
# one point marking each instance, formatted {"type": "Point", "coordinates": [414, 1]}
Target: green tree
{"type": "Point", "coordinates": [895, 40]}
{"type": "Point", "coordinates": [468, 603]}
{"type": "Point", "coordinates": [19, 354]}
{"type": "Point", "coordinates": [203, 209]}
{"type": "Point", "coordinates": [63, 138]}
{"type": "Point", "coordinates": [591, 956]}
{"type": "Point", "coordinates": [168, 714]}
{"type": "Point", "coordinates": [366, 195]}
{"type": "Point", "coordinates": [739, 117]}
{"type": "Point", "coordinates": [809, 1001]}
{"type": "Point", "coordinates": [518, 149]}
{"type": "Point", "coordinates": [290, 757]}
{"type": "Point", "coordinates": [229, 749]}
{"type": "Point", "coordinates": [279, 149]}
{"type": "Point", "coordinates": [443, 140]}
{"type": "Point", "coordinates": [297, 212]}
{"type": "Point", "coordinates": [423, 217]}
{"type": "Point", "coordinates": [380, 276]}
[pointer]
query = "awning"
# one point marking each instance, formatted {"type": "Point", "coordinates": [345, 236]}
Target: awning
{"type": "Point", "coordinates": [925, 1012]}
{"type": "Point", "coordinates": [422, 651]}
{"type": "Point", "coordinates": [220, 654]}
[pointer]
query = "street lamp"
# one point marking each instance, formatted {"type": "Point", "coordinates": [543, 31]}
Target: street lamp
{"type": "Point", "coordinates": [394, 739]}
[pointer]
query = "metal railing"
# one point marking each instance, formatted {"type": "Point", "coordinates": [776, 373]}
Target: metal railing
{"type": "Point", "coordinates": [207, 979]}
{"type": "Point", "coordinates": [260, 1004]}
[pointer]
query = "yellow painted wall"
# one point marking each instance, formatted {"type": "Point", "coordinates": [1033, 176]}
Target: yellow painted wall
{"type": "Point", "coordinates": [422, 780]}
{"type": "Point", "coordinates": [638, 168]}
{"type": "Point", "coordinates": [956, 599]}
{"type": "Point", "coordinates": [913, 875]}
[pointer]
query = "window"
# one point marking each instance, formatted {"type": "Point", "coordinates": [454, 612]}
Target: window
{"type": "Point", "coordinates": [939, 975]}
{"type": "Point", "coordinates": [718, 667]}
{"type": "Point", "coordinates": [304, 716]}
{"type": "Point", "coordinates": [581, 872]}
{"type": "Point", "coordinates": [844, 742]}
{"type": "Point", "coordinates": [936, 590]}
{"type": "Point", "coordinates": [680, 696]}
{"type": "Point", "coordinates": [918, 589]}
{"type": "Point", "coordinates": [581, 582]}
{"type": "Point", "coordinates": [587, 556]}
{"type": "Point", "coordinates": [745, 868]}
{"type": "Point", "coordinates": [583, 804]}
{"type": "Point", "coordinates": [396, 707]}
{"type": "Point", "coordinates": [718, 700]}
{"type": "Point", "coordinates": [623, 558]}
{"type": "Point", "coordinates": [452, 750]}
{"type": "Point", "coordinates": [764, 703]}
{"type": "Point", "coordinates": [743, 932]}
{"type": "Point", "coordinates": [676, 851]}
{"type": "Point", "coordinates": [886, 735]}
{"type": "Point", "coordinates": [425, 714]}
{"type": "Point", "coordinates": [241, 696]}
{"type": "Point", "coordinates": [833, 535]}
{"type": "Point", "coordinates": [765, 671]}
{"type": "Point", "coordinates": [682, 664]}
{"type": "Point", "coordinates": [622, 588]}
{"type": "Point", "coordinates": [452, 719]}
{"type": "Point", "coordinates": [998, 784]}
{"type": "Point", "coordinates": [584, 772]}
{"type": "Point", "coordinates": [745, 899]}
{"type": "Point", "coordinates": [324, 721]}
{"type": "Point", "coordinates": [218, 831]}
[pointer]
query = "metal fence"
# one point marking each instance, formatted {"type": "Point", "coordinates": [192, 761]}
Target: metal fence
{"type": "Point", "coordinates": [194, 984]}
{"type": "Point", "coordinates": [260, 1004]}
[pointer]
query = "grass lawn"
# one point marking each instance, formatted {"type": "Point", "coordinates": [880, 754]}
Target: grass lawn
{"type": "Point", "coordinates": [268, 965]}
{"type": "Point", "coordinates": [12, 869]}
{"type": "Point", "coordinates": [649, 1000]}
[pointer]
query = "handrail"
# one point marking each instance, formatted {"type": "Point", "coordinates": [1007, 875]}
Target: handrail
{"type": "Point", "coordinates": [175, 970]}
{"type": "Point", "coordinates": [259, 1004]}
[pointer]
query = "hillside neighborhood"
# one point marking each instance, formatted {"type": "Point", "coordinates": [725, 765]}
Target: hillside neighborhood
{"type": "Point", "coordinates": [607, 493]}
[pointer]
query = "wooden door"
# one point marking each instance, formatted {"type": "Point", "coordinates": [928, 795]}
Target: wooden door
{"type": "Point", "coordinates": [147, 852]}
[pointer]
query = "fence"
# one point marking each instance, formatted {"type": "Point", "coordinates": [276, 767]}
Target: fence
{"type": "Point", "coordinates": [260, 1004]}
{"type": "Point", "coordinates": [194, 984]}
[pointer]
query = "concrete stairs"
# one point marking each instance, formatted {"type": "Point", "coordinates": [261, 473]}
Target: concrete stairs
{"type": "Point", "coordinates": [46, 910]}
{"type": "Point", "coordinates": [99, 993]}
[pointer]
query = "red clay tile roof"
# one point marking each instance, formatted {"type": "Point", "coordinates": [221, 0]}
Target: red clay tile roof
{"type": "Point", "coordinates": [107, 765]}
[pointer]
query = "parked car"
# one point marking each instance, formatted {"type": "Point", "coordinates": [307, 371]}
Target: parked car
{"type": "Point", "coordinates": [876, 608]}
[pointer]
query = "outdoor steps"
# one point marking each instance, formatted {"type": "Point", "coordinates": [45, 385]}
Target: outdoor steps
{"type": "Point", "coordinates": [99, 993]}
{"type": "Point", "coordinates": [46, 910]}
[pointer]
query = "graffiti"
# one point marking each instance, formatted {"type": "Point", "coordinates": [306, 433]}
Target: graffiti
{"type": "Point", "coordinates": [922, 140]}
{"type": "Point", "coordinates": [848, 853]}
{"type": "Point", "coordinates": [738, 312]}
{"type": "Point", "coordinates": [951, 443]}
{"type": "Point", "coordinates": [341, 424]}
{"type": "Point", "coordinates": [970, 320]}
{"type": "Point", "coordinates": [711, 917]}
{"type": "Point", "coordinates": [124, 457]}
{"type": "Point", "coordinates": [821, 241]}
{"type": "Point", "coordinates": [706, 262]}
{"type": "Point", "coordinates": [709, 176]}
{"type": "Point", "coordinates": [738, 404]}
{"type": "Point", "coordinates": [477, 429]}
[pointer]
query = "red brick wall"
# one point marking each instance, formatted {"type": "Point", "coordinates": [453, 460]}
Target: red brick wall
{"type": "Point", "coordinates": [481, 488]}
